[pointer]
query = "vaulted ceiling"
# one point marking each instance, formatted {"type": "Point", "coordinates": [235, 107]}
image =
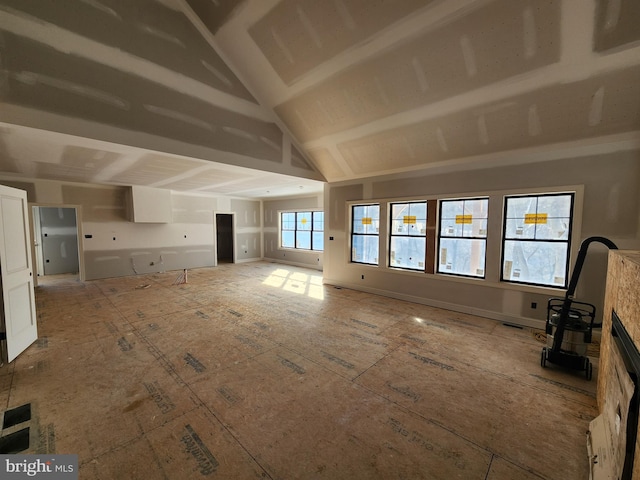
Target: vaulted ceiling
{"type": "Point", "coordinates": [263, 98]}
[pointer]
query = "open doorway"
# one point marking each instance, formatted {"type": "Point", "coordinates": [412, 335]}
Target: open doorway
{"type": "Point", "coordinates": [224, 238]}
{"type": "Point", "coordinates": [56, 240]}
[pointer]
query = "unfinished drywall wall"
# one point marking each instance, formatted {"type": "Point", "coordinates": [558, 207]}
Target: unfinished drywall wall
{"type": "Point", "coordinates": [248, 229]}
{"type": "Point", "coordinates": [113, 246]}
{"type": "Point", "coordinates": [610, 208]}
{"type": "Point", "coordinates": [272, 249]}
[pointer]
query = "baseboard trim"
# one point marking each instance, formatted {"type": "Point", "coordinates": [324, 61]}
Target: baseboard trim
{"type": "Point", "coordinates": [500, 317]}
{"type": "Point", "coordinates": [294, 264]}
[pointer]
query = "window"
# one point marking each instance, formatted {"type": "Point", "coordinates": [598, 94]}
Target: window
{"type": "Point", "coordinates": [408, 235]}
{"type": "Point", "coordinates": [536, 239]}
{"type": "Point", "coordinates": [317, 232]}
{"type": "Point", "coordinates": [302, 230]}
{"type": "Point", "coordinates": [365, 227]}
{"type": "Point", "coordinates": [463, 237]}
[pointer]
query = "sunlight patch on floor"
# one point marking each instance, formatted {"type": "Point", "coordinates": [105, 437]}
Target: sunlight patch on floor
{"type": "Point", "coordinates": [296, 282]}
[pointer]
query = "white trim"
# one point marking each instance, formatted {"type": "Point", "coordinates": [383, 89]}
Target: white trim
{"type": "Point", "coordinates": [510, 319]}
{"type": "Point", "coordinates": [296, 210]}
{"type": "Point", "coordinates": [576, 224]}
{"type": "Point", "coordinates": [383, 228]}
{"type": "Point", "coordinates": [295, 264]}
{"type": "Point", "coordinates": [489, 280]}
{"type": "Point", "coordinates": [246, 260]}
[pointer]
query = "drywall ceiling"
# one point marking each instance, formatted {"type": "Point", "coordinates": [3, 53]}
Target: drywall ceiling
{"type": "Point", "coordinates": [221, 96]}
{"type": "Point", "coordinates": [39, 154]}
{"type": "Point", "coordinates": [130, 92]}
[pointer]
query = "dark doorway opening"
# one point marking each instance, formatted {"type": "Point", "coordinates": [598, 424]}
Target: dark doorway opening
{"type": "Point", "coordinates": [224, 237]}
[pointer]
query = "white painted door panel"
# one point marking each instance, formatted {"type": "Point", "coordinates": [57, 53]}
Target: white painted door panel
{"type": "Point", "coordinates": [18, 297]}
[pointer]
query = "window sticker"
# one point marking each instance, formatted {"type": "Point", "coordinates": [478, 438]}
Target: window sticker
{"type": "Point", "coordinates": [535, 218]}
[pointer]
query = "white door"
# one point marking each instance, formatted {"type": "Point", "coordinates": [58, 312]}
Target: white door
{"type": "Point", "coordinates": [19, 307]}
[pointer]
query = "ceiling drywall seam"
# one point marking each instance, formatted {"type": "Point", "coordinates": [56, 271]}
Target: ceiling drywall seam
{"type": "Point", "coordinates": [240, 73]}
{"type": "Point", "coordinates": [533, 121]}
{"type": "Point", "coordinates": [629, 141]}
{"type": "Point", "coordinates": [468, 56]}
{"type": "Point", "coordinates": [116, 139]}
{"type": "Point", "coordinates": [595, 110]}
{"type": "Point", "coordinates": [577, 28]}
{"type": "Point", "coordinates": [188, 174]}
{"type": "Point", "coordinates": [74, 44]}
{"type": "Point", "coordinates": [507, 88]}
{"type": "Point", "coordinates": [116, 168]}
{"type": "Point", "coordinates": [429, 17]}
{"type": "Point", "coordinates": [339, 158]}
{"type": "Point", "coordinates": [286, 150]}
{"type": "Point", "coordinates": [24, 147]}
{"type": "Point", "coordinates": [239, 48]}
{"type": "Point", "coordinates": [241, 45]}
{"type": "Point", "coordinates": [578, 31]}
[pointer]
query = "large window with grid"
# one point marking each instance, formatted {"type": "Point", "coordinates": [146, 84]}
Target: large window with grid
{"type": "Point", "coordinates": [365, 230]}
{"type": "Point", "coordinates": [302, 230]}
{"type": "Point", "coordinates": [536, 239]}
{"type": "Point", "coordinates": [462, 238]}
{"type": "Point", "coordinates": [408, 244]}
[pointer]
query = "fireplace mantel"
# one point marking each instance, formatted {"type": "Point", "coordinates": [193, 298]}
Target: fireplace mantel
{"type": "Point", "coordinates": [622, 297]}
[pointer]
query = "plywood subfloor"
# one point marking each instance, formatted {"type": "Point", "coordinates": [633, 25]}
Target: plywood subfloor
{"type": "Point", "coordinates": [260, 371]}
